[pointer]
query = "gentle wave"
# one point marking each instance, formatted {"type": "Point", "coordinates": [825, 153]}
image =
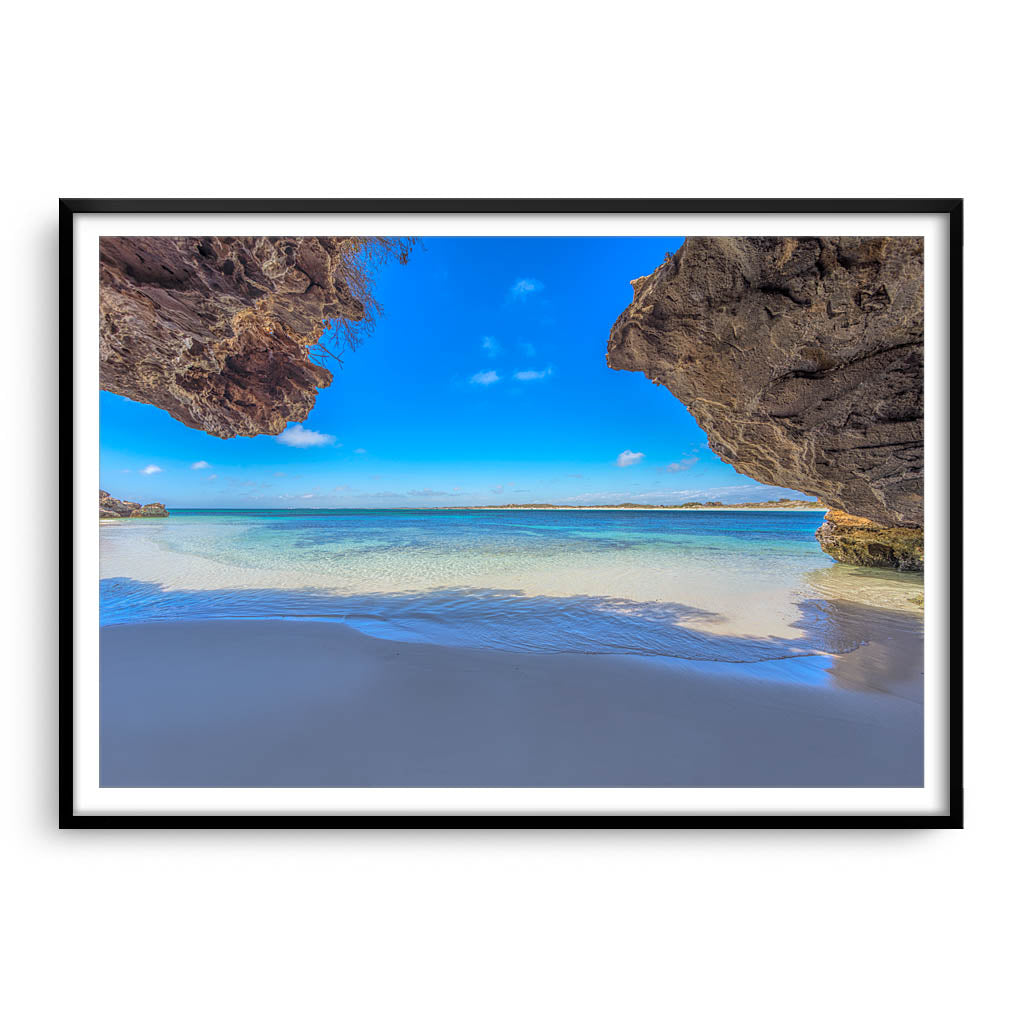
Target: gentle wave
{"type": "Point", "coordinates": [510, 620]}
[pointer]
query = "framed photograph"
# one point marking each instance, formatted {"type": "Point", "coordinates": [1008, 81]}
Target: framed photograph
{"type": "Point", "coordinates": [511, 513]}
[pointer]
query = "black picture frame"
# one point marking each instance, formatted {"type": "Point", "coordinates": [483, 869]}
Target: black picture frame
{"type": "Point", "coordinates": [951, 208]}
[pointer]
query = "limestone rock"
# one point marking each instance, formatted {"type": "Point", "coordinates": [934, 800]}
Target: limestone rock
{"type": "Point", "coordinates": [218, 331]}
{"type": "Point", "coordinates": [155, 508]}
{"type": "Point", "coordinates": [114, 508]}
{"type": "Point", "coordinates": [858, 541]}
{"type": "Point", "coordinates": [801, 358]}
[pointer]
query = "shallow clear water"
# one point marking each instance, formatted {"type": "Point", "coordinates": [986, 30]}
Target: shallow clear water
{"type": "Point", "coordinates": [709, 586]}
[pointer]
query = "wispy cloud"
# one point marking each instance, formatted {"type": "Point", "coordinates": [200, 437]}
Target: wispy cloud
{"type": "Point", "coordinates": [491, 345]}
{"type": "Point", "coordinates": [201, 464]}
{"type": "Point", "coordinates": [212, 476]}
{"type": "Point", "coordinates": [359, 451]}
{"type": "Point", "coordinates": [533, 374]}
{"type": "Point", "coordinates": [485, 377]}
{"type": "Point", "coordinates": [682, 465]}
{"type": "Point", "coordinates": [527, 348]}
{"type": "Point", "coordinates": [428, 493]}
{"type": "Point", "coordinates": [500, 489]}
{"type": "Point", "coordinates": [297, 436]}
{"type": "Point", "coordinates": [628, 458]}
{"type": "Point", "coordinates": [526, 286]}
{"type": "Point", "coordinates": [150, 470]}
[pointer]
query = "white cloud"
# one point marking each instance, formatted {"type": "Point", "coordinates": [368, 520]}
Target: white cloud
{"type": "Point", "coordinates": [533, 374]}
{"type": "Point", "coordinates": [212, 476]}
{"type": "Point", "coordinates": [526, 286]}
{"type": "Point", "coordinates": [297, 436]}
{"type": "Point", "coordinates": [201, 464]}
{"type": "Point", "coordinates": [682, 465]}
{"type": "Point", "coordinates": [491, 345]}
{"type": "Point", "coordinates": [150, 470]}
{"type": "Point", "coordinates": [484, 377]}
{"type": "Point", "coordinates": [359, 451]}
{"type": "Point", "coordinates": [628, 458]}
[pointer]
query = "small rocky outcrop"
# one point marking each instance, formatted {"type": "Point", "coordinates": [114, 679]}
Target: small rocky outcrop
{"type": "Point", "coordinates": [218, 331]}
{"type": "Point", "coordinates": [115, 508]}
{"type": "Point", "coordinates": [858, 541]}
{"type": "Point", "coordinates": [801, 358]}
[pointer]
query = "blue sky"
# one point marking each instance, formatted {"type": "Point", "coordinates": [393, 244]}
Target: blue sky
{"type": "Point", "coordinates": [484, 382]}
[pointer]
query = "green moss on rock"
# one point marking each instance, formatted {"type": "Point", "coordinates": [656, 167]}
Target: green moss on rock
{"type": "Point", "coordinates": [856, 541]}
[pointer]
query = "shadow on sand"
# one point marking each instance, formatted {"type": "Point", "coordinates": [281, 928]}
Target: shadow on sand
{"type": "Point", "coordinates": [511, 620]}
{"type": "Point", "coordinates": [195, 697]}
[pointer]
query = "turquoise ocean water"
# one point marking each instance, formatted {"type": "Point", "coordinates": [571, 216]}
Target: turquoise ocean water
{"type": "Point", "coordinates": [735, 587]}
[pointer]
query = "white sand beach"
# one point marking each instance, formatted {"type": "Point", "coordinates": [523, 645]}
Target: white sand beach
{"type": "Point", "coordinates": [284, 703]}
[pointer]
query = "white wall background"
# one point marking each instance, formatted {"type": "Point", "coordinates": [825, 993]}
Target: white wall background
{"type": "Point", "coordinates": [535, 99]}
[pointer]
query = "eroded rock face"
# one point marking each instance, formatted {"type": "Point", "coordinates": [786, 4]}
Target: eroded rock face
{"type": "Point", "coordinates": [801, 358]}
{"type": "Point", "coordinates": [115, 508]}
{"type": "Point", "coordinates": [858, 541]}
{"type": "Point", "coordinates": [217, 331]}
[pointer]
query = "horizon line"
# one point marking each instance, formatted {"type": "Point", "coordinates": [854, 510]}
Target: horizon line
{"type": "Point", "coordinates": [507, 506]}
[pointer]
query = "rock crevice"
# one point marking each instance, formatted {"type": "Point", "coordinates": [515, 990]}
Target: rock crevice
{"type": "Point", "coordinates": [217, 331]}
{"type": "Point", "coordinates": [801, 358]}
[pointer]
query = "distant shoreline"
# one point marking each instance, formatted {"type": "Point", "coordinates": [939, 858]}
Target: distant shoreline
{"type": "Point", "coordinates": [766, 507]}
{"type": "Point", "coordinates": [808, 507]}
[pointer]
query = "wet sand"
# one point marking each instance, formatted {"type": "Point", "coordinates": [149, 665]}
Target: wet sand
{"type": "Point", "coordinates": [283, 703]}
